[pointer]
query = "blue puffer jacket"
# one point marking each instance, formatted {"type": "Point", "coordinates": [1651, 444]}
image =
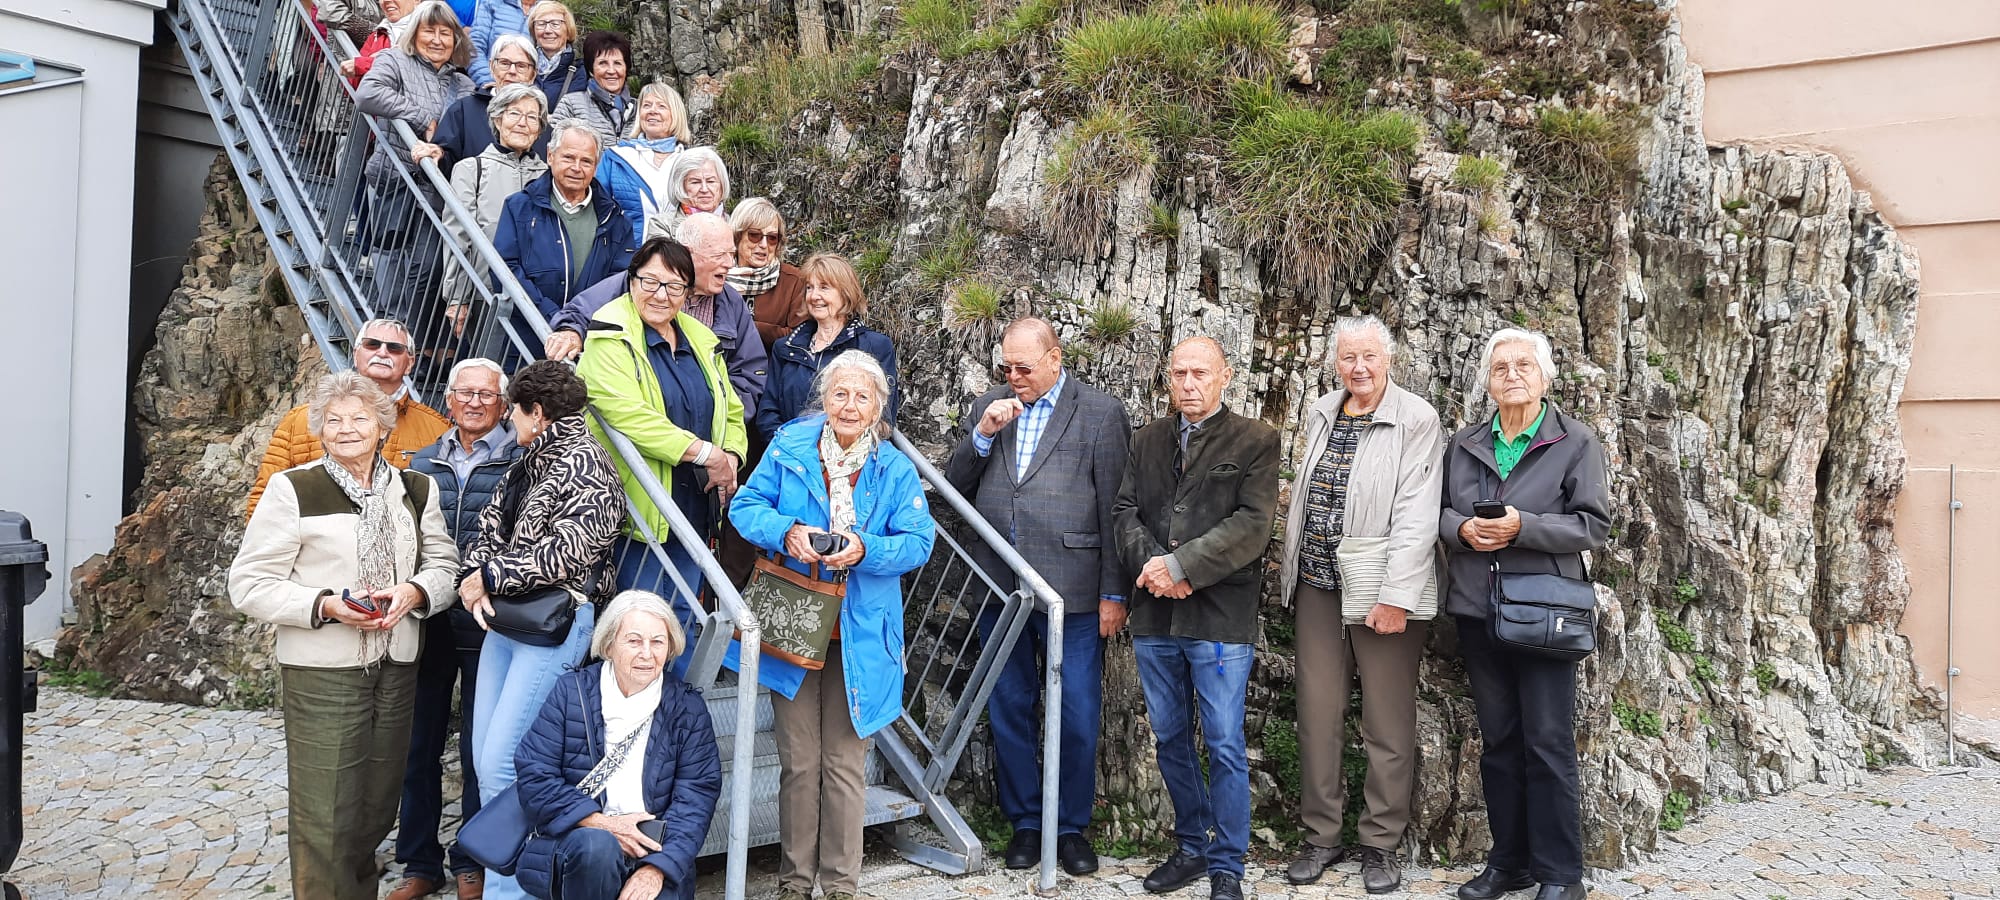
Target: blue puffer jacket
{"type": "Point", "coordinates": [683, 776]}
{"type": "Point", "coordinates": [462, 503]}
{"type": "Point", "coordinates": [626, 185]}
{"type": "Point", "coordinates": [531, 239]}
{"type": "Point", "coordinates": [894, 523]}
{"type": "Point", "coordinates": [794, 365]}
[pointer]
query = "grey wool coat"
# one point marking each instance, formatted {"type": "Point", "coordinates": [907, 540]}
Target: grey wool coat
{"type": "Point", "coordinates": [1059, 515]}
{"type": "Point", "coordinates": [1392, 490]}
{"type": "Point", "coordinates": [1558, 487]}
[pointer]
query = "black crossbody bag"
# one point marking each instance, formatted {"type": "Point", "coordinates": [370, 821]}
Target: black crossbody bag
{"type": "Point", "coordinates": [1545, 615]}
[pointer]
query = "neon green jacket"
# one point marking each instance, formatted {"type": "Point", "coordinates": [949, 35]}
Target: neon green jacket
{"type": "Point", "coordinates": [624, 389]}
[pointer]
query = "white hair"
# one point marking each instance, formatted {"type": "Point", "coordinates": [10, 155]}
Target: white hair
{"type": "Point", "coordinates": [627, 603]}
{"type": "Point", "coordinates": [348, 384]}
{"type": "Point", "coordinates": [1356, 325]}
{"type": "Point", "coordinates": [693, 228]}
{"type": "Point", "coordinates": [397, 324]}
{"type": "Point", "coordinates": [478, 362]}
{"type": "Point", "coordinates": [865, 363]}
{"type": "Point", "coordinates": [691, 160]}
{"type": "Point", "coordinates": [507, 95]}
{"type": "Point", "coordinates": [517, 41]}
{"type": "Point", "coordinates": [567, 127]}
{"type": "Point", "coordinates": [1544, 356]}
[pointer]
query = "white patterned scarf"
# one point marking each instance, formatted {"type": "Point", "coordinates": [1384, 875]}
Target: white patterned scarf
{"type": "Point", "coordinates": [374, 534]}
{"type": "Point", "coordinates": [840, 468]}
{"type": "Point", "coordinates": [750, 281]}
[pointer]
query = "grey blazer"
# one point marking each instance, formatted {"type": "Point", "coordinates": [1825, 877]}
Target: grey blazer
{"type": "Point", "coordinates": [1059, 515]}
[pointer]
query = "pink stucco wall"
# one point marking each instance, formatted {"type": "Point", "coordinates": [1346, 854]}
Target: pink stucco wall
{"type": "Point", "coordinates": [1908, 95]}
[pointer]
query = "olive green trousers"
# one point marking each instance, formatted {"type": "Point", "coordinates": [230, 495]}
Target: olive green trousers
{"type": "Point", "coordinates": [347, 733]}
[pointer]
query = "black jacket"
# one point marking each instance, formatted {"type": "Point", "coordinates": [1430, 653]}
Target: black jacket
{"type": "Point", "coordinates": [1215, 519]}
{"type": "Point", "coordinates": [1559, 489]}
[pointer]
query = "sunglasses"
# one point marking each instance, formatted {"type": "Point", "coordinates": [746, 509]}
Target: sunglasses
{"type": "Point", "coordinates": [1002, 370]}
{"type": "Point", "coordinates": [394, 348]}
{"type": "Point", "coordinates": [772, 238]}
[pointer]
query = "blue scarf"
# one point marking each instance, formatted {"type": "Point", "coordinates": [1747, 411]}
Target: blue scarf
{"type": "Point", "coordinates": [663, 145]}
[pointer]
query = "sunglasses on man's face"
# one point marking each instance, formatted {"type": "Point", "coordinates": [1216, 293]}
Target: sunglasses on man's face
{"type": "Point", "coordinates": [394, 348]}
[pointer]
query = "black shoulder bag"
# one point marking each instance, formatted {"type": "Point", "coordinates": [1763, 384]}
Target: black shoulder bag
{"type": "Point", "coordinates": [1539, 614]}
{"type": "Point", "coordinates": [541, 617]}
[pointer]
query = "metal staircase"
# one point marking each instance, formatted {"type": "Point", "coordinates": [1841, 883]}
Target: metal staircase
{"type": "Point", "coordinates": [288, 121]}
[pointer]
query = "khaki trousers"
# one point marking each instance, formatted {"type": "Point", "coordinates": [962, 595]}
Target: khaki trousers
{"type": "Point", "coordinates": [347, 736]}
{"type": "Point", "coordinates": [1387, 664]}
{"type": "Point", "coordinates": [822, 793]}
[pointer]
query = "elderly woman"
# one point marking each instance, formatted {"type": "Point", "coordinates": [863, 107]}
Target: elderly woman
{"type": "Point", "coordinates": [835, 306]}
{"type": "Point", "coordinates": [618, 743]}
{"type": "Point", "coordinates": [773, 288]}
{"type": "Point", "coordinates": [468, 128]}
{"type": "Point", "coordinates": [484, 182]}
{"type": "Point", "coordinates": [550, 525]}
{"type": "Point", "coordinates": [603, 103]}
{"type": "Point", "coordinates": [1371, 467]}
{"type": "Point", "coordinates": [413, 83]}
{"type": "Point", "coordinates": [835, 472]}
{"type": "Point", "coordinates": [344, 554]}
{"type": "Point", "coordinates": [697, 181]}
{"type": "Point", "coordinates": [1548, 470]}
{"type": "Point", "coordinates": [635, 171]}
{"type": "Point", "coordinates": [658, 375]}
{"type": "Point", "coordinates": [553, 29]}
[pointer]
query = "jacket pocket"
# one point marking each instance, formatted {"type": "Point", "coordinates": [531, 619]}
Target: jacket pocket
{"type": "Point", "coordinates": [1225, 470]}
{"type": "Point", "coordinates": [1079, 540]}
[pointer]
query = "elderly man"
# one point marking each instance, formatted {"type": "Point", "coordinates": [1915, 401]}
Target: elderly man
{"type": "Point", "coordinates": [467, 464]}
{"type": "Point", "coordinates": [1193, 516]}
{"type": "Point", "coordinates": [710, 240]}
{"type": "Point", "coordinates": [1041, 458]}
{"type": "Point", "coordinates": [384, 354]}
{"type": "Point", "coordinates": [560, 235]}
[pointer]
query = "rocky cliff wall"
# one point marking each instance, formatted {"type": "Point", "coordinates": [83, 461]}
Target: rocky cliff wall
{"type": "Point", "coordinates": [1735, 325]}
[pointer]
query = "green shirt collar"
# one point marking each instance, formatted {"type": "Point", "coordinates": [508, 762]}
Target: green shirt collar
{"type": "Point", "coordinates": [1507, 453]}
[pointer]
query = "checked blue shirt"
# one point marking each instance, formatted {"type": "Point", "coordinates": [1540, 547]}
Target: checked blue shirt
{"type": "Point", "coordinates": [1032, 422]}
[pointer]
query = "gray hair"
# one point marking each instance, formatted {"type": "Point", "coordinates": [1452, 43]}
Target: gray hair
{"type": "Point", "coordinates": [693, 228]}
{"type": "Point", "coordinates": [349, 385]}
{"type": "Point", "coordinates": [627, 603]}
{"type": "Point", "coordinates": [519, 42]}
{"type": "Point", "coordinates": [675, 105]}
{"type": "Point", "coordinates": [507, 95]}
{"type": "Point", "coordinates": [1544, 356]}
{"type": "Point", "coordinates": [436, 12]}
{"type": "Point", "coordinates": [389, 322]}
{"type": "Point", "coordinates": [691, 160]}
{"type": "Point", "coordinates": [478, 362]}
{"type": "Point", "coordinates": [567, 127]}
{"type": "Point", "coordinates": [1355, 325]}
{"type": "Point", "coordinates": [865, 363]}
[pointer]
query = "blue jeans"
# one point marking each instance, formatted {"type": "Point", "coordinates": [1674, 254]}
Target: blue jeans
{"type": "Point", "coordinates": [514, 679]}
{"type": "Point", "coordinates": [1176, 674]}
{"type": "Point", "coordinates": [639, 569]}
{"type": "Point", "coordinates": [591, 866]}
{"type": "Point", "coordinates": [442, 667]}
{"type": "Point", "coordinates": [1017, 744]}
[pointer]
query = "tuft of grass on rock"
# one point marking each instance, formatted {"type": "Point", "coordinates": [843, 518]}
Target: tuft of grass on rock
{"type": "Point", "coordinates": [1318, 189]}
{"type": "Point", "coordinates": [742, 140]}
{"type": "Point", "coordinates": [948, 261]}
{"type": "Point", "coordinates": [1163, 222]}
{"type": "Point", "coordinates": [1245, 37]}
{"type": "Point", "coordinates": [974, 303]}
{"type": "Point", "coordinates": [1478, 173]}
{"type": "Point", "coordinates": [1111, 324]}
{"type": "Point", "coordinates": [1580, 152]}
{"type": "Point", "coordinates": [945, 27]}
{"type": "Point", "coordinates": [1105, 148]}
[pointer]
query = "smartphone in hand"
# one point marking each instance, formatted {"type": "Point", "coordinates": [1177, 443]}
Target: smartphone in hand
{"type": "Point", "coordinates": [360, 604]}
{"type": "Point", "coordinates": [1489, 509]}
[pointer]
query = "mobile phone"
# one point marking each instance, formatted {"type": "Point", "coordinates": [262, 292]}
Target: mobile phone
{"type": "Point", "coordinates": [655, 829]}
{"type": "Point", "coordinates": [361, 604]}
{"type": "Point", "coordinates": [1489, 509]}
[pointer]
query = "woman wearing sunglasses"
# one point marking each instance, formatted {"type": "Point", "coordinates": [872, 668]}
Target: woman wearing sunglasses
{"type": "Point", "coordinates": [773, 288]}
{"type": "Point", "coordinates": [834, 306]}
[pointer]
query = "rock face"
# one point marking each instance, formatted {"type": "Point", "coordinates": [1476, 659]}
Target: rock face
{"type": "Point", "coordinates": [154, 614]}
{"type": "Point", "coordinates": [1736, 327]}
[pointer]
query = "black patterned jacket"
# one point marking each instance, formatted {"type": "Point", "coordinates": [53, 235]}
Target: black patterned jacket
{"type": "Point", "coordinates": [552, 521]}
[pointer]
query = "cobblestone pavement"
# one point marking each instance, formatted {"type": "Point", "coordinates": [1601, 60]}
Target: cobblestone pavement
{"type": "Point", "coordinates": [130, 799]}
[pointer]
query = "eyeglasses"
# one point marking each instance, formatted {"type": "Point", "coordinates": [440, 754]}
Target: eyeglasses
{"type": "Point", "coordinates": [1500, 371]}
{"type": "Point", "coordinates": [1005, 368]}
{"type": "Point", "coordinates": [772, 238]}
{"type": "Point", "coordinates": [550, 24]}
{"type": "Point", "coordinates": [394, 348]}
{"type": "Point", "coordinates": [518, 115]}
{"type": "Point", "coordinates": [466, 395]}
{"type": "Point", "coordinates": [646, 284]}
{"type": "Point", "coordinates": [510, 65]}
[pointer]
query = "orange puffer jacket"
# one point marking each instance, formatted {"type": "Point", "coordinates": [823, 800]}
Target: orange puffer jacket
{"type": "Point", "coordinates": [293, 444]}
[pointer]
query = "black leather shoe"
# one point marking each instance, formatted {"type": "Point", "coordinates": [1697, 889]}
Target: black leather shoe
{"type": "Point", "coordinates": [1179, 871]}
{"type": "Point", "coordinates": [1492, 883]}
{"type": "Point", "coordinates": [1381, 872]}
{"type": "Point", "coordinates": [1224, 887]}
{"type": "Point", "coordinates": [1076, 854]}
{"type": "Point", "coordinates": [1561, 892]}
{"type": "Point", "coordinates": [1025, 850]}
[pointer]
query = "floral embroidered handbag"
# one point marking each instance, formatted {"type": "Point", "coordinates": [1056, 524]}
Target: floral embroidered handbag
{"type": "Point", "coordinates": [799, 612]}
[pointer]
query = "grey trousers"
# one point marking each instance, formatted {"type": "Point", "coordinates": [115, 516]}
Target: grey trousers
{"type": "Point", "coordinates": [1387, 665]}
{"type": "Point", "coordinates": [822, 788]}
{"type": "Point", "coordinates": [347, 736]}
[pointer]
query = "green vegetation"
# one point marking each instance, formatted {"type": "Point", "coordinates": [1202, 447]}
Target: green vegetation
{"type": "Point", "coordinates": [741, 140]}
{"type": "Point", "coordinates": [1111, 324]}
{"type": "Point", "coordinates": [1642, 722]}
{"type": "Point", "coordinates": [1457, 137]}
{"type": "Point", "coordinates": [1704, 669]}
{"type": "Point", "coordinates": [62, 674]}
{"type": "Point", "coordinates": [949, 261]}
{"type": "Point", "coordinates": [1319, 188]}
{"type": "Point", "coordinates": [975, 302]}
{"type": "Point", "coordinates": [1478, 173]}
{"type": "Point", "coordinates": [1163, 222]}
{"type": "Point", "coordinates": [1678, 638]}
{"type": "Point", "coordinates": [1674, 811]}
{"type": "Point", "coordinates": [1491, 220]}
{"type": "Point", "coordinates": [1103, 150]}
{"type": "Point", "coordinates": [1685, 592]}
{"type": "Point", "coordinates": [1360, 56]}
{"type": "Point", "coordinates": [1281, 750]}
{"type": "Point", "coordinates": [873, 261]}
{"type": "Point", "coordinates": [1581, 153]}
{"type": "Point", "coordinates": [1738, 203]}
{"type": "Point", "coordinates": [1766, 675]}
{"type": "Point", "coordinates": [783, 82]}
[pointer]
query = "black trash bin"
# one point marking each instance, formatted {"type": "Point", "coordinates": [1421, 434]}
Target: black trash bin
{"type": "Point", "coordinates": [23, 575]}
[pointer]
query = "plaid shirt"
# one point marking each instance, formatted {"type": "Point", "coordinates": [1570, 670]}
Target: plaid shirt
{"type": "Point", "coordinates": [1031, 423]}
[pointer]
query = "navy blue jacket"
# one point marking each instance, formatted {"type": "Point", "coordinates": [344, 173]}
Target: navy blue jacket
{"type": "Point", "coordinates": [735, 332]}
{"type": "Point", "coordinates": [530, 237]}
{"type": "Point", "coordinates": [568, 77]}
{"type": "Point", "coordinates": [683, 776]}
{"type": "Point", "coordinates": [794, 366]}
{"type": "Point", "coordinates": [465, 131]}
{"type": "Point", "coordinates": [462, 503]}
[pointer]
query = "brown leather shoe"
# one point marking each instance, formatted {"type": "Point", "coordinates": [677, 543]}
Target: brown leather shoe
{"type": "Point", "coordinates": [414, 887]}
{"type": "Point", "coordinates": [471, 885]}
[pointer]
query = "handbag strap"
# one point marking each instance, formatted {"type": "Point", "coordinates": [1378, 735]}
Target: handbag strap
{"type": "Point", "coordinates": [813, 569]}
{"type": "Point", "coordinates": [593, 783]}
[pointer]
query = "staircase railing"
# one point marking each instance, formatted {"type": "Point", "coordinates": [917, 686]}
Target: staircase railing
{"type": "Point", "coordinates": [342, 240]}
